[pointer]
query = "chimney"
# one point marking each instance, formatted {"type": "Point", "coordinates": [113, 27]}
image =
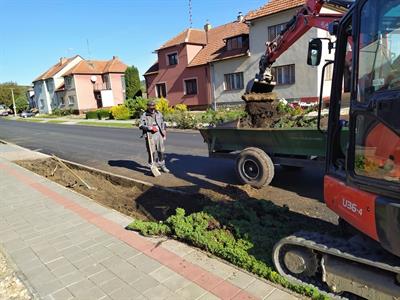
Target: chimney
{"type": "Point", "coordinates": [240, 17]}
{"type": "Point", "coordinates": [63, 60]}
{"type": "Point", "coordinates": [115, 57]}
{"type": "Point", "coordinates": [207, 28]}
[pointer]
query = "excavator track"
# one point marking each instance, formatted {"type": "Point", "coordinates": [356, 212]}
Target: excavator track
{"type": "Point", "coordinates": [338, 266]}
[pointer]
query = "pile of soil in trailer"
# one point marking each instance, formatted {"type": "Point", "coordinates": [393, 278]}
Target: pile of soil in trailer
{"type": "Point", "coordinates": [265, 110]}
{"type": "Point", "coordinates": [152, 203]}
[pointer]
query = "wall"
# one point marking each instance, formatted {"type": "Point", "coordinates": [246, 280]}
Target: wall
{"type": "Point", "coordinates": [173, 77]}
{"type": "Point", "coordinates": [41, 94]}
{"type": "Point", "coordinates": [117, 88]}
{"type": "Point", "coordinates": [84, 90]}
{"type": "Point", "coordinates": [219, 69]}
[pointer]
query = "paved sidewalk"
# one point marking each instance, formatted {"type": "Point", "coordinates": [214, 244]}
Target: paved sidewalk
{"type": "Point", "coordinates": [67, 246]}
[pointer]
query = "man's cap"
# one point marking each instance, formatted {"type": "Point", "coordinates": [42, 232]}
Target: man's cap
{"type": "Point", "coordinates": [151, 103]}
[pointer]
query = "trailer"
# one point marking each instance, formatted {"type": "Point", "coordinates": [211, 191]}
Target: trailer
{"type": "Point", "coordinates": [258, 150]}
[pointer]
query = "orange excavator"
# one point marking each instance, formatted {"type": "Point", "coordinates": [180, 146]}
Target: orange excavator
{"type": "Point", "coordinates": [362, 181]}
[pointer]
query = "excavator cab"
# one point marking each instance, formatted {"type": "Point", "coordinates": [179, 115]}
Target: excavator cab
{"type": "Point", "coordinates": [362, 179]}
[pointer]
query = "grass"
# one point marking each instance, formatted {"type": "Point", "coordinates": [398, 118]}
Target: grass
{"type": "Point", "coordinates": [106, 124]}
{"type": "Point", "coordinates": [56, 121]}
{"type": "Point", "coordinates": [29, 120]}
{"type": "Point", "coordinates": [242, 232]}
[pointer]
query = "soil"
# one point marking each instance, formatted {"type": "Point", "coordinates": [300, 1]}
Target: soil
{"type": "Point", "coordinates": [157, 203]}
{"type": "Point", "coordinates": [147, 203]}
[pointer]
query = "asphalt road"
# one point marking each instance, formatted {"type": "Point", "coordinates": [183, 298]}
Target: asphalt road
{"type": "Point", "coordinates": [122, 151]}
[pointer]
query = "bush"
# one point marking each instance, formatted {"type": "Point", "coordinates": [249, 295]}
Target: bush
{"type": "Point", "coordinates": [241, 233]}
{"type": "Point", "coordinates": [91, 115]}
{"type": "Point", "coordinates": [184, 120]}
{"type": "Point", "coordinates": [181, 107]}
{"type": "Point", "coordinates": [120, 112]}
{"type": "Point", "coordinates": [136, 106]}
{"type": "Point", "coordinates": [103, 114]}
{"type": "Point", "coordinates": [162, 105]}
{"type": "Point", "coordinates": [62, 112]}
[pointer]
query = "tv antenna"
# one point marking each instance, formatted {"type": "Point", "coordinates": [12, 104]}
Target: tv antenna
{"type": "Point", "coordinates": [190, 14]}
{"type": "Point", "coordinates": [88, 48]}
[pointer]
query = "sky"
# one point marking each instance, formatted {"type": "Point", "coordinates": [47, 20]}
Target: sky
{"type": "Point", "coordinates": [34, 34]}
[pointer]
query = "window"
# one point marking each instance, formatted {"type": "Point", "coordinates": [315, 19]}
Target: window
{"type": "Point", "coordinates": [50, 86]}
{"type": "Point", "coordinates": [71, 100]}
{"type": "Point", "coordinates": [233, 81]}
{"type": "Point", "coordinates": [62, 102]}
{"type": "Point", "coordinates": [68, 82]}
{"type": "Point", "coordinates": [377, 153]}
{"type": "Point", "coordinates": [284, 74]}
{"type": "Point", "coordinates": [274, 31]}
{"type": "Point", "coordinates": [190, 87]}
{"type": "Point", "coordinates": [106, 81]}
{"type": "Point", "coordinates": [379, 68]}
{"type": "Point", "coordinates": [161, 90]}
{"type": "Point", "coordinates": [172, 59]}
{"type": "Point", "coordinates": [237, 42]}
{"type": "Point", "coordinates": [41, 103]}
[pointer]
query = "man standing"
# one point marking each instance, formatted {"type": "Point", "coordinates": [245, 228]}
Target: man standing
{"type": "Point", "coordinates": [153, 126]}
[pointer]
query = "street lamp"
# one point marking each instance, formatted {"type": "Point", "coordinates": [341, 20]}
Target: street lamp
{"type": "Point", "coordinates": [14, 109]}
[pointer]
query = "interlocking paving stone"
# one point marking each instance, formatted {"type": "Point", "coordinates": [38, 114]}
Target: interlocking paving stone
{"type": "Point", "coordinates": [84, 261]}
{"type": "Point", "coordinates": [280, 295]}
{"type": "Point", "coordinates": [158, 293]}
{"type": "Point", "coordinates": [191, 291]}
{"type": "Point", "coordinates": [144, 283]}
{"type": "Point", "coordinates": [162, 274]}
{"type": "Point", "coordinates": [144, 263]}
{"type": "Point", "coordinates": [260, 288]}
{"type": "Point", "coordinates": [102, 277]}
{"type": "Point", "coordinates": [62, 294]}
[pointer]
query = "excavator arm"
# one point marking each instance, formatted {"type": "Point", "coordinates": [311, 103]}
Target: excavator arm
{"type": "Point", "coordinates": [308, 17]}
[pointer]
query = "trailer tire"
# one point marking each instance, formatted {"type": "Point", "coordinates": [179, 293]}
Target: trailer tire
{"type": "Point", "coordinates": [254, 167]}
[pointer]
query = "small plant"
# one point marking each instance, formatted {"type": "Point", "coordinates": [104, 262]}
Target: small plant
{"type": "Point", "coordinates": [136, 106]}
{"type": "Point", "coordinates": [103, 114]}
{"type": "Point", "coordinates": [120, 112]}
{"type": "Point", "coordinates": [91, 115]}
{"type": "Point", "coordinates": [181, 107]}
{"type": "Point", "coordinates": [162, 105]}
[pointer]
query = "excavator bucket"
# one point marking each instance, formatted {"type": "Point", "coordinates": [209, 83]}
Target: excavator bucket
{"type": "Point", "coordinates": [262, 87]}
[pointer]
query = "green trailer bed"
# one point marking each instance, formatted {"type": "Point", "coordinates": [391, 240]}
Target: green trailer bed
{"type": "Point", "coordinates": [257, 150]}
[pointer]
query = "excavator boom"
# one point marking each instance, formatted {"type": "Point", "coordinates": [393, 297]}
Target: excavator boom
{"type": "Point", "coordinates": [308, 17]}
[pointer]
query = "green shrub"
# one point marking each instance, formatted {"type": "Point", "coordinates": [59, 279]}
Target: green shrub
{"type": "Point", "coordinates": [103, 113]}
{"type": "Point", "coordinates": [181, 107]}
{"type": "Point", "coordinates": [242, 233]}
{"type": "Point", "coordinates": [136, 106]}
{"type": "Point", "coordinates": [91, 115]}
{"type": "Point", "coordinates": [162, 105]}
{"type": "Point", "coordinates": [62, 112]}
{"type": "Point", "coordinates": [120, 112]}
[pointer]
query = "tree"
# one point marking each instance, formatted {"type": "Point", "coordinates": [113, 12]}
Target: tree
{"type": "Point", "coordinates": [21, 103]}
{"type": "Point", "coordinates": [132, 82]}
{"type": "Point", "coordinates": [5, 92]}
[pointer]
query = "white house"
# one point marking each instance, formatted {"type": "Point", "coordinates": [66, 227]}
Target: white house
{"type": "Point", "coordinates": [295, 79]}
{"type": "Point", "coordinates": [47, 83]}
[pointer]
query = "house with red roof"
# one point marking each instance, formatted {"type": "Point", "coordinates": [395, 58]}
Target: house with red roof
{"type": "Point", "coordinates": [45, 85]}
{"type": "Point", "coordinates": [183, 71]}
{"type": "Point", "coordinates": [93, 84]}
{"type": "Point", "coordinates": [80, 85]}
{"type": "Point", "coordinates": [296, 81]}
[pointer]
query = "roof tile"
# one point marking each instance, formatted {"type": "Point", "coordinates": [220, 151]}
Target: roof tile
{"type": "Point", "coordinates": [98, 67]}
{"type": "Point", "coordinates": [55, 69]}
{"type": "Point", "coordinates": [272, 7]}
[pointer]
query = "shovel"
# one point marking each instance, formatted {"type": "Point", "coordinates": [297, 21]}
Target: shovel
{"type": "Point", "coordinates": [153, 167]}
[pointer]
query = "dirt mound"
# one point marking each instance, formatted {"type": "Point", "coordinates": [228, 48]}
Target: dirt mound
{"type": "Point", "coordinates": [137, 201]}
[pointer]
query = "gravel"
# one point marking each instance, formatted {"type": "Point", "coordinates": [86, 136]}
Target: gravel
{"type": "Point", "coordinates": [11, 288]}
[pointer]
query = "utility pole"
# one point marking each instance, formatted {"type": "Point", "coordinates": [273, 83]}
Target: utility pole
{"type": "Point", "coordinates": [12, 95]}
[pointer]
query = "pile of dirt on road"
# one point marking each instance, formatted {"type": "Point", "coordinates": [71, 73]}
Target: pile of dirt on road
{"type": "Point", "coordinates": [266, 110]}
{"type": "Point", "coordinates": [130, 198]}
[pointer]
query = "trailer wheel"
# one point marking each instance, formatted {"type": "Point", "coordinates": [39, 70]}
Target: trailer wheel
{"type": "Point", "coordinates": [254, 167]}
